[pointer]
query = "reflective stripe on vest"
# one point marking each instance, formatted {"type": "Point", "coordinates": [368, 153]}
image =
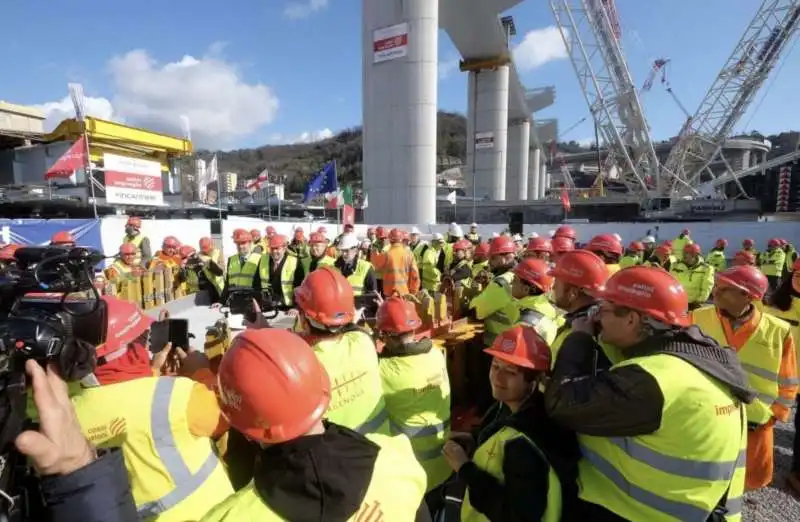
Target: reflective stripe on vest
{"type": "Point", "coordinates": [359, 277]}
{"type": "Point", "coordinates": [500, 320]}
{"type": "Point", "coordinates": [242, 275]}
{"type": "Point", "coordinates": [137, 242]}
{"type": "Point", "coordinates": [185, 481]}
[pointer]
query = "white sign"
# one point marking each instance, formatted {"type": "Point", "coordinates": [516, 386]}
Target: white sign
{"type": "Point", "coordinates": [390, 42]}
{"type": "Point", "coordinates": [132, 181]}
{"type": "Point", "coordinates": [484, 140]}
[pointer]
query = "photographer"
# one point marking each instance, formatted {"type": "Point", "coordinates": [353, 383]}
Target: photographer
{"type": "Point", "coordinates": [208, 269]}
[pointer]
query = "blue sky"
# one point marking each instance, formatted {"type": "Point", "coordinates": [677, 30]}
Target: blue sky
{"type": "Point", "coordinates": [249, 72]}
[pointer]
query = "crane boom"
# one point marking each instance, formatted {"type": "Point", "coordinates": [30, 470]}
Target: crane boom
{"type": "Point", "coordinates": [700, 141]}
{"type": "Point", "coordinates": [590, 31]}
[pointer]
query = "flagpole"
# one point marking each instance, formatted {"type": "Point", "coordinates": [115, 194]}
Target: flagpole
{"type": "Point", "coordinates": [338, 210]}
{"type": "Point", "coordinates": [89, 173]}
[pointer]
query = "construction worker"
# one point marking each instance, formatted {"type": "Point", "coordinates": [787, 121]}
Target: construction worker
{"type": "Point", "coordinates": [212, 269]}
{"type": "Point", "coordinates": [578, 276]}
{"type": "Point", "coordinates": [480, 260]}
{"type": "Point", "coordinates": [298, 246]}
{"type": "Point", "coordinates": [189, 280]}
{"type": "Point", "coordinates": [490, 304]}
{"type": "Point", "coordinates": [748, 245]}
{"type": "Point", "coordinates": [168, 255]}
{"type": "Point", "coordinates": [566, 232]}
{"type": "Point", "coordinates": [531, 305]}
{"type": "Point", "coordinates": [326, 320]}
{"type": "Point", "coordinates": [243, 267]}
{"type": "Point", "coordinates": [358, 272]}
{"type": "Point", "coordinates": [364, 249]}
{"type": "Point", "coordinates": [649, 243]}
{"type": "Point", "coordinates": [377, 254]}
{"type": "Point", "coordinates": [371, 235]}
{"type": "Point", "coordinates": [274, 391]}
{"type": "Point", "coordinates": [650, 451]}
{"type": "Point", "coordinates": [683, 239]}
{"type": "Point", "coordinates": [791, 256]}
{"type": "Point", "coordinates": [744, 257]}
{"type": "Point", "coordinates": [634, 255]}
{"type": "Point", "coordinates": [766, 349]}
{"type": "Point", "coordinates": [133, 234]}
{"type": "Point", "coordinates": [539, 248]}
{"type": "Point", "coordinates": [716, 256]}
{"type": "Point", "coordinates": [510, 476]}
{"type": "Point", "coordinates": [124, 268]}
{"type": "Point", "coordinates": [696, 276]}
{"type": "Point", "coordinates": [165, 426]}
{"type": "Point", "coordinates": [269, 232]}
{"type": "Point", "coordinates": [63, 238]}
{"type": "Point", "coordinates": [318, 247]}
{"type": "Point", "coordinates": [416, 244]}
{"type": "Point", "coordinates": [330, 249]}
{"type": "Point", "coordinates": [608, 248]}
{"type": "Point", "coordinates": [279, 272]}
{"type": "Point", "coordinates": [460, 270]}
{"type": "Point", "coordinates": [773, 262]}
{"type": "Point", "coordinates": [454, 233]}
{"type": "Point", "coordinates": [258, 244]}
{"type": "Point", "coordinates": [399, 271]}
{"type": "Point", "coordinates": [416, 386]}
{"type": "Point", "coordinates": [473, 236]}
{"type": "Point", "coordinates": [561, 245]}
{"type": "Point", "coordinates": [433, 263]}
{"type": "Point", "coordinates": [662, 258]}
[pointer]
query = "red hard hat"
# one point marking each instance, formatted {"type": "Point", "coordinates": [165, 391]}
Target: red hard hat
{"type": "Point", "coordinates": [7, 252]}
{"type": "Point", "coordinates": [272, 387]}
{"type": "Point", "coordinates": [125, 322]}
{"type": "Point", "coordinates": [278, 241]}
{"type": "Point", "coordinates": [127, 249]}
{"type": "Point", "coordinates": [462, 244]}
{"type": "Point", "coordinates": [206, 245]}
{"type": "Point", "coordinates": [535, 272]}
{"type": "Point", "coordinates": [521, 346]}
{"type": "Point", "coordinates": [502, 245]}
{"type": "Point", "coordinates": [743, 257]}
{"type": "Point", "coordinates": [668, 242]}
{"type": "Point", "coordinates": [380, 233]}
{"type": "Point", "coordinates": [562, 245]}
{"type": "Point", "coordinates": [745, 278]}
{"type": "Point", "coordinates": [636, 246]}
{"type": "Point", "coordinates": [694, 249]}
{"type": "Point", "coordinates": [406, 236]}
{"type": "Point", "coordinates": [395, 235]}
{"type": "Point", "coordinates": [651, 291]}
{"type": "Point", "coordinates": [796, 265]}
{"type": "Point", "coordinates": [482, 250]}
{"type": "Point", "coordinates": [348, 227]}
{"type": "Point", "coordinates": [317, 237]}
{"type": "Point", "coordinates": [326, 297]}
{"type": "Point", "coordinates": [270, 231]}
{"type": "Point", "coordinates": [397, 316]}
{"type": "Point", "coordinates": [605, 243]}
{"type": "Point", "coordinates": [567, 232]}
{"type": "Point", "coordinates": [581, 268]}
{"type": "Point", "coordinates": [186, 251]}
{"type": "Point", "coordinates": [241, 236]}
{"type": "Point", "coordinates": [135, 222]}
{"type": "Point", "coordinates": [720, 243]}
{"type": "Point", "coordinates": [748, 243]}
{"type": "Point", "coordinates": [539, 244]}
{"type": "Point", "coordinates": [171, 242]}
{"type": "Point", "coordinates": [255, 234]}
{"type": "Point", "coordinates": [664, 249]}
{"type": "Point", "coordinates": [774, 243]}
{"type": "Point", "coordinates": [62, 238]}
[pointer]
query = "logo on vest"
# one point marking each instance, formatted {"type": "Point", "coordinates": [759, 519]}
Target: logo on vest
{"type": "Point", "coordinates": [369, 512]}
{"type": "Point", "coordinates": [728, 409]}
{"type": "Point", "coordinates": [347, 388]}
{"type": "Point", "coordinates": [104, 432]}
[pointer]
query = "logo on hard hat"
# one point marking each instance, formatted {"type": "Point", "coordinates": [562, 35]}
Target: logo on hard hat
{"type": "Point", "coordinates": [508, 346]}
{"type": "Point", "coordinates": [230, 398]}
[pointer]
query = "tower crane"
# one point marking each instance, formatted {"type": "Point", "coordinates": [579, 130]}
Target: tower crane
{"type": "Point", "coordinates": [590, 30]}
{"type": "Point", "coordinates": [702, 136]}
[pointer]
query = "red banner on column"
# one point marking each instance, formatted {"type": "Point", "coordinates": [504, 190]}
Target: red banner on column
{"type": "Point", "coordinates": [348, 215]}
{"type": "Point", "coordinates": [565, 200]}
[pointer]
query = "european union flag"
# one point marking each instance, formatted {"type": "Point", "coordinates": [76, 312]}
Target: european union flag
{"type": "Point", "coordinates": [323, 182]}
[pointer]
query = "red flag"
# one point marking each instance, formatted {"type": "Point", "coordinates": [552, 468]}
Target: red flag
{"type": "Point", "coordinates": [348, 215]}
{"type": "Point", "coordinates": [565, 200]}
{"type": "Point", "coordinates": [69, 162]}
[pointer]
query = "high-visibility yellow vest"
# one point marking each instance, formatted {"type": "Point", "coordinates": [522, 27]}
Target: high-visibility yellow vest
{"type": "Point", "coordinates": [429, 267]}
{"type": "Point", "coordinates": [479, 266]}
{"type": "Point", "coordinates": [241, 275]}
{"type": "Point", "coordinates": [614, 354]}
{"type": "Point", "coordinates": [760, 357]}
{"type": "Point", "coordinates": [490, 456]}
{"type": "Point", "coordinates": [217, 281]}
{"type": "Point", "coordinates": [359, 277]}
{"type": "Point", "coordinates": [497, 297]}
{"type": "Point", "coordinates": [630, 260]}
{"type": "Point", "coordinates": [613, 269]}
{"type": "Point", "coordinates": [545, 319]}
{"type": "Point", "coordinates": [773, 262]}
{"type": "Point", "coordinates": [417, 251]}
{"type": "Point", "coordinates": [174, 475]}
{"type": "Point", "coordinates": [324, 261]}
{"type": "Point", "coordinates": [467, 281]}
{"type": "Point", "coordinates": [351, 361]}
{"type": "Point", "coordinates": [192, 282]}
{"type": "Point", "coordinates": [287, 277]}
{"type": "Point", "coordinates": [681, 471]}
{"type": "Point", "coordinates": [137, 241]}
{"type": "Point", "coordinates": [416, 389]}
{"type": "Point", "coordinates": [394, 494]}
{"type": "Point", "coordinates": [474, 238]}
{"type": "Point", "coordinates": [716, 258]}
{"type": "Point", "coordinates": [697, 280]}
{"type": "Point", "coordinates": [791, 316]}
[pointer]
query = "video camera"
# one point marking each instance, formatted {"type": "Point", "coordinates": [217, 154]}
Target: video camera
{"type": "Point", "coordinates": [40, 319]}
{"type": "Point", "coordinates": [240, 301]}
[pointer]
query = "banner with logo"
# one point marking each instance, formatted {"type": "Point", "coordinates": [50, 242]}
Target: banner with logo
{"type": "Point", "coordinates": [132, 181]}
{"type": "Point", "coordinates": [37, 232]}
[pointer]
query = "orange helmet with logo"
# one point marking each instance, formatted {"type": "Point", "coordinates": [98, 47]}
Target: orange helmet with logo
{"type": "Point", "coordinates": [651, 291]}
{"type": "Point", "coordinates": [397, 316]}
{"type": "Point", "coordinates": [521, 346]}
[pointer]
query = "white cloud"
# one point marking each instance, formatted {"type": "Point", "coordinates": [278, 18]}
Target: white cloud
{"type": "Point", "coordinates": [304, 137]}
{"type": "Point", "coordinates": [538, 47]}
{"type": "Point", "coordinates": [303, 9]}
{"type": "Point", "coordinates": [448, 67]}
{"type": "Point", "coordinates": [59, 111]}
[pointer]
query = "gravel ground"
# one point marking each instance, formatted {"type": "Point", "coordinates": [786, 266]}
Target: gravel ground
{"type": "Point", "coordinates": [774, 503]}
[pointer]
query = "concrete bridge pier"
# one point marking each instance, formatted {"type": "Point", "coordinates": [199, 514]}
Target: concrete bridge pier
{"type": "Point", "coordinates": [533, 184]}
{"type": "Point", "coordinates": [519, 137]}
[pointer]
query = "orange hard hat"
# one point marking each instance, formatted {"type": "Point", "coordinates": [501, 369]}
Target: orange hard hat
{"type": "Point", "coordinates": [720, 243]}
{"type": "Point", "coordinates": [187, 251]}
{"type": "Point", "coordinates": [649, 290]}
{"type": "Point", "coordinates": [745, 278]}
{"type": "Point", "coordinates": [502, 245]}
{"type": "Point", "coordinates": [636, 246]}
{"type": "Point", "coordinates": [270, 231]}
{"type": "Point", "coordinates": [278, 241]}
{"type": "Point", "coordinates": [693, 249]}
{"type": "Point", "coordinates": [206, 245]}
{"type": "Point", "coordinates": [581, 268]}
{"type": "Point", "coordinates": [406, 235]}
{"type": "Point", "coordinates": [125, 322]}
{"type": "Point", "coordinates": [380, 232]}
{"type": "Point", "coordinates": [539, 244]}
{"type": "Point", "coordinates": [535, 272]}
{"type": "Point", "coordinates": [462, 244]}
{"type": "Point", "coordinates": [743, 257]}
{"type": "Point", "coordinates": [241, 236]}
{"type": "Point", "coordinates": [482, 250]}
{"type": "Point", "coordinates": [567, 232]}
{"type": "Point", "coordinates": [127, 249]}
{"type": "Point", "coordinates": [748, 243]}
{"type": "Point", "coordinates": [255, 234]}
{"type": "Point", "coordinates": [397, 316]}
{"type": "Point", "coordinates": [395, 235]}
{"type": "Point", "coordinates": [272, 387]}
{"type": "Point", "coordinates": [62, 238]}
{"type": "Point", "coordinates": [605, 243]}
{"type": "Point", "coordinates": [171, 242]}
{"type": "Point", "coordinates": [135, 222]}
{"type": "Point", "coordinates": [317, 237]}
{"type": "Point", "coordinates": [562, 244]}
{"type": "Point", "coordinates": [664, 250]}
{"type": "Point", "coordinates": [7, 252]}
{"type": "Point", "coordinates": [521, 346]}
{"type": "Point", "coordinates": [668, 242]}
{"type": "Point", "coordinates": [326, 297]}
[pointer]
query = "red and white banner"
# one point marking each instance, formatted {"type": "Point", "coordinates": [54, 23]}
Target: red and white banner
{"type": "Point", "coordinates": [132, 181]}
{"type": "Point", "coordinates": [69, 162]}
{"type": "Point", "coordinates": [390, 42]}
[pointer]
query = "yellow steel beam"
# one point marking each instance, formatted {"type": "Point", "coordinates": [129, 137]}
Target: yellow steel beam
{"type": "Point", "coordinates": [108, 131]}
{"type": "Point", "coordinates": [480, 64]}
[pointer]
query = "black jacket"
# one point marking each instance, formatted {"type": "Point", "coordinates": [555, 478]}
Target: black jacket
{"type": "Point", "coordinates": [99, 492]}
{"type": "Point", "coordinates": [367, 299]}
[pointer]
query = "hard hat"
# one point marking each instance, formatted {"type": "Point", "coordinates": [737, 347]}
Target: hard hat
{"type": "Point", "coordinates": [322, 230]}
{"type": "Point", "coordinates": [668, 242]}
{"type": "Point", "coordinates": [348, 241]}
{"type": "Point", "coordinates": [298, 229]}
{"type": "Point", "coordinates": [278, 241]}
{"type": "Point", "coordinates": [482, 250]}
{"type": "Point", "coordinates": [748, 243]}
{"type": "Point", "coordinates": [415, 230]}
{"type": "Point", "coordinates": [535, 272]}
{"type": "Point", "coordinates": [502, 245]}
{"type": "Point", "coordinates": [745, 278]}
{"type": "Point", "coordinates": [473, 225]}
{"type": "Point", "coordinates": [648, 240]}
{"type": "Point", "coordinates": [406, 235]}
{"type": "Point", "coordinates": [135, 222]}
{"type": "Point", "coordinates": [567, 232]}
{"type": "Point", "coordinates": [533, 235]}
{"type": "Point", "coordinates": [255, 234]}
{"type": "Point", "coordinates": [743, 257]}
{"type": "Point", "coordinates": [517, 238]}
{"type": "Point", "coordinates": [693, 249]}
{"type": "Point", "coordinates": [796, 266]}
{"type": "Point", "coordinates": [206, 245]}
{"type": "Point", "coordinates": [495, 234]}
{"type": "Point", "coordinates": [171, 242]}
{"type": "Point", "coordinates": [685, 232]}
{"type": "Point", "coordinates": [125, 322]}
{"type": "Point", "coordinates": [720, 243]}
{"type": "Point", "coordinates": [462, 244]}
{"type": "Point", "coordinates": [317, 237]}
{"type": "Point", "coordinates": [366, 243]}
{"type": "Point", "coordinates": [562, 244]}
{"type": "Point", "coordinates": [649, 290]}
{"type": "Point", "coordinates": [7, 251]}
{"type": "Point", "coordinates": [774, 243]}
{"type": "Point", "coordinates": [605, 243]}
{"type": "Point", "coordinates": [539, 244]}
{"type": "Point", "coordinates": [438, 237]}
{"type": "Point", "coordinates": [455, 231]}
{"type": "Point", "coordinates": [395, 235]}
{"type": "Point", "coordinates": [62, 238]}
{"type": "Point", "coordinates": [126, 249]}
{"type": "Point", "coordinates": [663, 250]}
{"type": "Point", "coordinates": [272, 387]}
{"type": "Point", "coordinates": [241, 236]}
{"type": "Point", "coordinates": [326, 297]}
{"type": "Point", "coordinates": [299, 235]}
{"type": "Point", "coordinates": [636, 246]}
{"type": "Point", "coordinates": [617, 237]}
{"type": "Point", "coordinates": [397, 316]}
{"type": "Point", "coordinates": [270, 231]}
{"type": "Point", "coordinates": [521, 346]}
{"type": "Point", "coordinates": [581, 268]}
{"type": "Point", "coordinates": [380, 233]}
{"type": "Point", "coordinates": [187, 251]}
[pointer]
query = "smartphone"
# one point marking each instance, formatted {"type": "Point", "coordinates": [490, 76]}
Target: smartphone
{"type": "Point", "coordinates": [175, 331]}
{"type": "Point", "coordinates": [159, 336]}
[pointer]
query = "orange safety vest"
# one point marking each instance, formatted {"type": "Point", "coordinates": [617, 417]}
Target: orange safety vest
{"type": "Point", "coordinates": [400, 273]}
{"type": "Point", "coordinates": [161, 257]}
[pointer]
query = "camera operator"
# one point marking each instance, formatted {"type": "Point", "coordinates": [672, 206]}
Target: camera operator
{"type": "Point", "coordinates": [205, 269]}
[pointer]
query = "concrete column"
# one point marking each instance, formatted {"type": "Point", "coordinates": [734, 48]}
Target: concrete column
{"type": "Point", "coordinates": [543, 175]}
{"type": "Point", "coordinates": [533, 184]}
{"type": "Point", "coordinates": [490, 139]}
{"type": "Point", "coordinates": [469, 173]}
{"type": "Point", "coordinates": [399, 109]}
{"type": "Point", "coordinates": [517, 161]}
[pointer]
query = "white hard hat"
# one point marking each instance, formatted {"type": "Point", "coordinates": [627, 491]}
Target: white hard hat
{"type": "Point", "coordinates": [649, 240]}
{"type": "Point", "coordinates": [348, 241]}
{"type": "Point", "coordinates": [517, 238]}
{"type": "Point", "coordinates": [455, 230]}
{"type": "Point", "coordinates": [619, 238]}
{"type": "Point", "coordinates": [298, 228]}
{"type": "Point", "coordinates": [366, 243]}
{"type": "Point", "coordinates": [438, 237]}
{"type": "Point", "coordinates": [533, 235]}
{"type": "Point", "coordinates": [415, 230]}
{"type": "Point", "coordinates": [473, 224]}
{"type": "Point", "coordinates": [551, 233]}
{"type": "Point", "coordinates": [495, 234]}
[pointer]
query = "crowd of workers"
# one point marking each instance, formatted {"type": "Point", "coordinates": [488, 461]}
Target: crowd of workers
{"type": "Point", "coordinates": [609, 383]}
